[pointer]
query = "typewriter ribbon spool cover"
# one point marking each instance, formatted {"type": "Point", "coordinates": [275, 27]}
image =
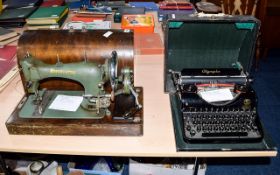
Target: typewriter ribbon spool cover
{"type": "Point", "coordinates": [93, 69]}
{"type": "Point", "coordinates": [207, 74]}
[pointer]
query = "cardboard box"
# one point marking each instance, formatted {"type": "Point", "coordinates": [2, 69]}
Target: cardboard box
{"type": "Point", "coordinates": [148, 44]}
{"type": "Point", "coordinates": [178, 168]}
{"type": "Point", "coordinates": [138, 23]}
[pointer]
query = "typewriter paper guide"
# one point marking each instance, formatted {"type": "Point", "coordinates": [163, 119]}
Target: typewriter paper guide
{"type": "Point", "coordinates": [193, 42]}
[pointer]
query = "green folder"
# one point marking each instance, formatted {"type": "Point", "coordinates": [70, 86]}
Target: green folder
{"type": "Point", "coordinates": [47, 15]}
{"type": "Point", "coordinates": [16, 14]}
{"type": "Point", "coordinates": [48, 12]}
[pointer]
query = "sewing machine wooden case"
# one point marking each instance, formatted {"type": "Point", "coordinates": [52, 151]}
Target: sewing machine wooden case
{"type": "Point", "coordinates": [94, 67]}
{"type": "Point", "coordinates": [215, 43]}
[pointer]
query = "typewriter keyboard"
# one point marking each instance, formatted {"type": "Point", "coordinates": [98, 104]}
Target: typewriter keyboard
{"type": "Point", "coordinates": [218, 126]}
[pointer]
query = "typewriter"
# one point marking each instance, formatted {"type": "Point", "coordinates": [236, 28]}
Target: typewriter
{"type": "Point", "coordinates": [217, 105]}
{"type": "Point", "coordinates": [207, 73]}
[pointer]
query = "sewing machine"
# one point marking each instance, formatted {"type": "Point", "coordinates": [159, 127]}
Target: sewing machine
{"type": "Point", "coordinates": [96, 101]}
{"type": "Point", "coordinates": [107, 104]}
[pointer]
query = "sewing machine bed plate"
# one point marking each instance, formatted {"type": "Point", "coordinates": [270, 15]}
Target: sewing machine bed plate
{"type": "Point", "coordinates": [54, 122]}
{"type": "Point", "coordinates": [27, 111]}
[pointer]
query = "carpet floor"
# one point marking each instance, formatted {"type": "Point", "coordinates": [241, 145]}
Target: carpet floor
{"type": "Point", "coordinates": [267, 86]}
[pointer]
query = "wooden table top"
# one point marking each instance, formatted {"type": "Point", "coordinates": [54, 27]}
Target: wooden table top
{"type": "Point", "coordinates": [157, 141]}
{"type": "Point", "coordinates": [158, 138]}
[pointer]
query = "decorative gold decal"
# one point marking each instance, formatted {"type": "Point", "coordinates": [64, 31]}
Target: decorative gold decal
{"type": "Point", "coordinates": [63, 72]}
{"type": "Point", "coordinates": [205, 71]}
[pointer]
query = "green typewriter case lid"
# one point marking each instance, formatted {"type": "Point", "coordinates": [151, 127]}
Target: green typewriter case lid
{"type": "Point", "coordinates": [209, 42]}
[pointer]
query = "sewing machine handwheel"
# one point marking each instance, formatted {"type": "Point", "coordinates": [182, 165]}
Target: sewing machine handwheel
{"type": "Point", "coordinates": [113, 69]}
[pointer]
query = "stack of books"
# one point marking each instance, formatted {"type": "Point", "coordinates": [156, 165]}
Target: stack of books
{"type": "Point", "coordinates": [77, 4]}
{"type": "Point", "coordinates": [149, 6]}
{"type": "Point", "coordinates": [7, 36]}
{"type": "Point", "coordinates": [115, 5]}
{"type": "Point", "coordinates": [87, 17]}
{"type": "Point", "coordinates": [92, 14]}
{"type": "Point", "coordinates": [8, 65]}
{"type": "Point", "coordinates": [15, 17]}
{"type": "Point", "coordinates": [47, 17]}
{"type": "Point", "coordinates": [174, 7]}
{"type": "Point", "coordinates": [12, 4]}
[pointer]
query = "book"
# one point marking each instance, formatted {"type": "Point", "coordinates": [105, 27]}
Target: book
{"type": "Point", "coordinates": [96, 25]}
{"type": "Point", "coordinates": [175, 5]}
{"type": "Point", "coordinates": [8, 65]}
{"type": "Point", "coordinates": [12, 24]}
{"type": "Point", "coordinates": [91, 15]}
{"type": "Point", "coordinates": [95, 10]}
{"type": "Point", "coordinates": [76, 5]}
{"type": "Point", "coordinates": [36, 27]}
{"type": "Point", "coordinates": [89, 18]}
{"type": "Point", "coordinates": [163, 14]}
{"type": "Point", "coordinates": [164, 7]}
{"type": "Point", "coordinates": [16, 15]}
{"type": "Point", "coordinates": [47, 15]}
{"type": "Point", "coordinates": [10, 40]}
{"type": "Point", "coordinates": [7, 59]}
{"type": "Point", "coordinates": [48, 12]}
{"type": "Point", "coordinates": [176, 2]}
{"type": "Point", "coordinates": [52, 3]}
{"type": "Point", "coordinates": [1, 6]}
{"type": "Point", "coordinates": [8, 77]}
{"type": "Point", "coordinates": [113, 4]}
{"type": "Point", "coordinates": [12, 4]}
{"type": "Point", "coordinates": [6, 34]}
{"type": "Point", "coordinates": [149, 6]}
{"type": "Point", "coordinates": [47, 26]}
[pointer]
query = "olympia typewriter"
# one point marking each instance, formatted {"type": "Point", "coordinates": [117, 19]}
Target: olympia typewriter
{"type": "Point", "coordinates": [77, 83]}
{"type": "Point", "coordinates": [217, 105]}
{"type": "Point", "coordinates": [207, 74]}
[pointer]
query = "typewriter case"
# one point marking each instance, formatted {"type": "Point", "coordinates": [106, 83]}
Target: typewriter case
{"type": "Point", "coordinates": [208, 42]}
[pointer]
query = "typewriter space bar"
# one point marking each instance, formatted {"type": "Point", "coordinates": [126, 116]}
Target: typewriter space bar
{"type": "Point", "coordinates": [225, 134]}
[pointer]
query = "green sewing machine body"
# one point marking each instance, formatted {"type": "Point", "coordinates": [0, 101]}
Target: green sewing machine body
{"type": "Point", "coordinates": [96, 101]}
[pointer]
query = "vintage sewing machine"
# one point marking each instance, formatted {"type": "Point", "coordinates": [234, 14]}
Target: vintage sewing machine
{"type": "Point", "coordinates": [107, 104]}
{"type": "Point", "coordinates": [95, 102]}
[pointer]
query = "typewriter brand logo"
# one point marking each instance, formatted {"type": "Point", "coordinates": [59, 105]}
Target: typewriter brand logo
{"type": "Point", "coordinates": [205, 71]}
{"type": "Point", "coordinates": [63, 72]}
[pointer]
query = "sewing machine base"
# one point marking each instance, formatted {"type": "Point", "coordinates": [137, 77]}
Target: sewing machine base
{"type": "Point", "coordinates": [50, 122]}
{"type": "Point", "coordinates": [29, 110]}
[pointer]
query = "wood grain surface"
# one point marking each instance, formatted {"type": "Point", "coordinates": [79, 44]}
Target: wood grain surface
{"type": "Point", "coordinates": [75, 46]}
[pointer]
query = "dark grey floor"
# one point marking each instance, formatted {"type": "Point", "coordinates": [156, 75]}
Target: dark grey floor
{"type": "Point", "coordinates": [267, 86]}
